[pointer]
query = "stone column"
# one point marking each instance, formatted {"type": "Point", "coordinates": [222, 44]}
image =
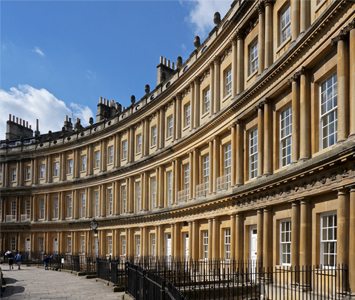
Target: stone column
{"type": "Point", "coordinates": [197, 102]}
{"type": "Point", "coordinates": [239, 153]}
{"type": "Point", "coordinates": [192, 106]}
{"type": "Point", "coordinates": [130, 145]}
{"type": "Point", "coordinates": [211, 159]}
{"type": "Point", "coordinates": [268, 33]}
{"type": "Point", "coordinates": [233, 236]}
{"type": "Point", "coordinates": [295, 120]}
{"type": "Point", "coordinates": [233, 153]}
{"type": "Point", "coordinates": [173, 186]}
{"type": "Point", "coordinates": [239, 236]}
{"type": "Point", "coordinates": [90, 159]}
{"type": "Point", "coordinates": [295, 17]}
{"type": "Point", "coordinates": [352, 240]}
{"type": "Point", "coordinates": [177, 177]}
{"type": "Point", "coordinates": [195, 169]}
{"type": "Point", "coordinates": [352, 77]}
{"type": "Point", "coordinates": [161, 187]}
{"type": "Point", "coordinates": [215, 162]}
{"type": "Point", "coordinates": [20, 173]}
{"type": "Point", "coordinates": [118, 150]}
{"type": "Point", "coordinates": [191, 163]}
{"type": "Point", "coordinates": [145, 190]}
{"type": "Point", "coordinates": [61, 206]}
{"type": "Point", "coordinates": [190, 240]}
{"type": "Point", "coordinates": [343, 227]}
{"type": "Point", "coordinates": [212, 88]}
{"type": "Point", "coordinates": [195, 240]}
{"type": "Point", "coordinates": [215, 238]}
{"type": "Point", "coordinates": [162, 128]}
{"type": "Point", "coordinates": [295, 225]}
{"type": "Point", "coordinates": [157, 113]}
{"type": "Point", "coordinates": [260, 111]}
{"type": "Point", "coordinates": [177, 117]}
{"type": "Point", "coordinates": [173, 137]}
{"type": "Point", "coordinates": [103, 159]}
{"type": "Point", "coordinates": [267, 238]}
{"type": "Point", "coordinates": [261, 38]}
{"type": "Point", "coordinates": [267, 137]}
{"type": "Point", "coordinates": [343, 86]}
{"type": "Point", "coordinates": [259, 245]}
{"type": "Point", "coordinates": [305, 109]}
{"type": "Point", "coordinates": [210, 235]}
{"type": "Point", "coordinates": [76, 164]}
{"type": "Point", "coordinates": [234, 67]}
{"type": "Point", "coordinates": [304, 15]}
{"type": "Point", "coordinates": [89, 204]}
{"type": "Point", "coordinates": [240, 61]}
{"type": "Point", "coordinates": [216, 86]}
{"type": "Point", "coordinates": [305, 233]}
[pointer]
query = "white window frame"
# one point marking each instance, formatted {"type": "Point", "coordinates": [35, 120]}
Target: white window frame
{"type": "Point", "coordinates": [110, 201]}
{"type": "Point", "coordinates": [41, 209]}
{"type": "Point", "coordinates": [253, 153]}
{"type": "Point", "coordinates": [82, 244]}
{"type": "Point", "coordinates": [13, 243]}
{"type": "Point", "coordinates": [227, 159]}
{"type": "Point", "coordinates": [206, 168]}
{"type": "Point", "coordinates": [153, 191]}
{"type": "Point", "coordinates": [138, 245]}
{"type": "Point", "coordinates": [328, 239]}
{"type": "Point", "coordinates": [285, 136]}
{"type": "Point", "coordinates": [97, 159]}
{"type": "Point", "coordinates": [83, 163]}
{"type": "Point", "coordinates": [154, 136]}
{"type": "Point", "coordinates": [253, 57]}
{"type": "Point", "coordinates": [13, 175]}
{"type": "Point", "coordinates": [41, 244]}
{"type": "Point", "coordinates": [206, 100]}
{"type": "Point", "coordinates": [170, 126]}
{"type": "Point", "coordinates": [27, 208]}
{"type": "Point", "coordinates": [187, 114]}
{"type": "Point", "coordinates": [97, 203]}
{"type": "Point", "coordinates": [69, 244]}
{"type": "Point", "coordinates": [123, 245]}
{"type": "Point", "coordinates": [228, 81]}
{"type": "Point", "coordinates": [124, 149]}
{"type": "Point", "coordinates": [205, 244]}
{"type": "Point", "coordinates": [55, 208]}
{"type": "Point", "coordinates": [70, 166]}
{"type": "Point", "coordinates": [285, 24]}
{"type": "Point", "coordinates": [109, 245]}
{"type": "Point", "coordinates": [138, 143]}
{"type": "Point", "coordinates": [138, 196]}
{"type": "Point", "coordinates": [110, 155]}
{"type": "Point", "coordinates": [285, 242]}
{"type": "Point", "coordinates": [187, 177]}
{"type": "Point", "coordinates": [83, 205]}
{"type": "Point", "coordinates": [42, 173]}
{"type": "Point", "coordinates": [56, 169]}
{"type": "Point", "coordinates": [28, 173]}
{"type": "Point", "coordinates": [69, 206]}
{"type": "Point", "coordinates": [152, 243]}
{"type": "Point", "coordinates": [124, 198]}
{"type": "Point", "coordinates": [13, 210]}
{"type": "Point", "coordinates": [227, 243]}
{"type": "Point", "coordinates": [169, 184]}
{"type": "Point", "coordinates": [328, 111]}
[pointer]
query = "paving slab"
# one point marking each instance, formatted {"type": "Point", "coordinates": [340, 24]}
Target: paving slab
{"type": "Point", "coordinates": [36, 283]}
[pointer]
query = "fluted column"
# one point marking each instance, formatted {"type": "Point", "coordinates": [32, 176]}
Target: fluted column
{"type": "Point", "coordinates": [305, 120]}
{"type": "Point", "coordinates": [76, 164]}
{"type": "Point", "coordinates": [240, 61]}
{"type": "Point", "coordinates": [295, 17]}
{"type": "Point", "coordinates": [130, 144]}
{"type": "Point", "coordinates": [216, 86]}
{"type": "Point", "coordinates": [268, 33]}
{"type": "Point", "coordinates": [352, 77]}
{"type": "Point", "coordinates": [212, 84]}
{"type": "Point", "coordinates": [260, 226]}
{"type": "Point", "coordinates": [233, 153]}
{"type": "Point", "coordinates": [103, 151]}
{"type": "Point", "coordinates": [234, 67]}
{"type": "Point", "coordinates": [267, 138]}
{"type": "Point", "coordinates": [239, 154]}
{"type": "Point", "coordinates": [261, 38]}
{"type": "Point", "coordinates": [260, 111]}
{"type": "Point", "coordinates": [352, 240]}
{"type": "Point", "coordinates": [304, 15]}
{"type": "Point", "coordinates": [295, 225]}
{"type": "Point", "coordinates": [295, 120]}
{"type": "Point", "coordinates": [197, 102]}
{"type": "Point", "coordinates": [90, 159]}
{"type": "Point", "coordinates": [62, 200]}
{"type": "Point", "coordinates": [145, 193]}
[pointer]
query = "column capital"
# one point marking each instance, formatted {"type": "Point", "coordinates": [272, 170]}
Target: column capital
{"type": "Point", "coordinates": [216, 60]}
{"type": "Point", "coordinates": [238, 122]}
{"type": "Point", "coordinates": [234, 40]}
{"type": "Point", "coordinates": [240, 34]}
{"type": "Point", "coordinates": [342, 190]}
{"type": "Point", "coordinates": [269, 2]}
{"type": "Point", "coordinates": [303, 200]}
{"type": "Point", "coordinates": [341, 36]}
{"type": "Point", "coordinates": [261, 7]}
{"type": "Point", "coordinates": [177, 96]}
{"type": "Point", "coordinates": [196, 80]}
{"type": "Point", "coordinates": [302, 71]}
{"type": "Point", "coordinates": [351, 25]}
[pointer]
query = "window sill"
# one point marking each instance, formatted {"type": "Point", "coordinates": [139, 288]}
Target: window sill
{"type": "Point", "coordinates": [97, 168]}
{"type": "Point", "coordinates": [169, 138]}
{"type": "Point", "coordinates": [227, 97]}
{"type": "Point", "coordinates": [153, 146]}
{"type": "Point", "coordinates": [324, 150]}
{"type": "Point", "coordinates": [138, 153]}
{"type": "Point", "coordinates": [320, 5]}
{"type": "Point", "coordinates": [69, 174]}
{"type": "Point", "coordinates": [283, 45]}
{"type": "Point", "coordinates": [110, 164]}
{"type": "Point", "coordinates": [123, 159]}
{"type": "Point", "coordinates": [252, 75]}
{"type": "Point", "coordinates": [82, 171]}
{"type": "Point", "coordinates": [186, 128]}
{"type": "Point", "coordinates": [206, 114]}
{"type": "Point", "coordinates": [26, 180]}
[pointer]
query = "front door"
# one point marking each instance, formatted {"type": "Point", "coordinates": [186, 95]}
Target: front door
{"type": "Point", "coordinates": [55, 246]}
{"type": "Point", "coordinates": [253, 250]}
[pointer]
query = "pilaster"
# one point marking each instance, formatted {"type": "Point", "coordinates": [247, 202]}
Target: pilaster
{"type": "Point", "coordinates": [240, 61]}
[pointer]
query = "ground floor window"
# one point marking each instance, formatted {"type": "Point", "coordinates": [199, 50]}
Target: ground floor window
{"type": "Point", "coordinates": [285, 242]}
{"type": "Point", "coordinates": [328, 239]}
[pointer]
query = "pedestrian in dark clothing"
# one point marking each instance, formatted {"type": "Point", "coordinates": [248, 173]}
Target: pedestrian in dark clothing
{"type": "Point", "coordinates": [19, 259]}
{"type": "Point", "coordinates": [46, 261]}
{"type": "Point", "coordinates": [10, 259]}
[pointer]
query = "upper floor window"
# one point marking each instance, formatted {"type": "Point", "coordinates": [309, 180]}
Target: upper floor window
{"type": "Point", "coordinates": [0, 175]}
{"type": "Point", "coordinates": [56, 169]}
{"type": "Point", "coordinates": [110, 155]}
{"type": "Point", "coordinates": [69, 206]}
{"type": "Point", "coordinates": [253, 57]}
{"type": "Point", "coordinates": [41, 209]}
{"type": "Point", "coordinates": [206, 100]}
{"type": "Point", "coordinates": [55, 208]}
{"type": "Point", "coordinates": [124, 199]}
{"type": "Point", "coordinates": [110, 202]}
{"type": "Point", "coordinates": [227, 243]}
{"type": "Point", "coordinates": [97, 204]}
{"type": "Point", "coordinates": [285, 136]}
{"type": "Point", "coordinates": [328, 239]}
{"type": "Point", "coordinates": [42, 173]}
{"type": "Point", "coordinates": [70, 166]}
{"type": "Point", "coordinates": [28, 173]}
{"type": "Point", "coordinates": [170, 126]}
{"type": "Point", "coordinates": [328, 111]}
{"type": "Point", "coordinates": [138, 196]}
{"type": "Point", "coordinates": [83, 205]}
{"type": "Point", "coordinates": [187, 115]}
{"type": "Point", "coordinates": [153, 191]}
{"type": "Point", "coordinates": [206, 168]}
{"type": "Point", "coordinates": [285, 24]}
{"type": "Point", "coordinates": [169, 179]}
{"type": "Point", "coordinates": [13, 174]}
{"type": "Point", "coordinates": [285, 242]}
{"type": "Point", "coordinates": [13, 209]}
{"type": "Point", "coordinates": [124, 149]}
{"type": "Point", "coordinates": [227, 159]}
{"type": "Point", "coordinates": [227, 82]}
{"type": "Point", "coordinates": [28, 208]}
{"type": "Point", "coordinates": [205, 244]}
{"type": "Point", "coordinates": [83, 163]}
{"type": "Point", "coordinates": [186, 176]}
{"type": "Point", "coordinates": [138, 143]}
{"type": "Point", "coordinates": [253, 153]}
{"type": "Point", "coordinates": [154, 136]}
{"type": "Point", "coordinates": [97, 159]}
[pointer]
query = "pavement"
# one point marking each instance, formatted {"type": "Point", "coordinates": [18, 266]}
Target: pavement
{"type": "Point", "coordinates": [37, 283]}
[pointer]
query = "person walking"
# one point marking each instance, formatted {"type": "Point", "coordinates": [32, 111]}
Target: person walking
{"type": "Point", "coordinates": [46, 261]}
{"type": "Point", "coordinates": [19, 259]}
{"type": "Point", "coordinates": [10, 259]}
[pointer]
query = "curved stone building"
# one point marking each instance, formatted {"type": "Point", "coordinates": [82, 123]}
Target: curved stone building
{"type": "Point", "coordinates": [248, 142]}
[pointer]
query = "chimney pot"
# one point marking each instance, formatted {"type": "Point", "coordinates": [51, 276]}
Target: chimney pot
{"type": "Point", "coordinates": [30, 126]}
{"type": "Point", "coordinates": [13, 119]}
{"type": "Point", "coordinates": [173, 65]}
{"type": "Point", "coordinates": [164, 61]}
{"type": "Point", "coordinates": [27, 124]}
{"type": "Point", "coordinates": [161, 59]}
{"type": "Point", "coordinates": [100, 99]}
{"type": "Point", "coordinates": [9, 117]}
{"type": "Point", "coordinates": [17, 120]}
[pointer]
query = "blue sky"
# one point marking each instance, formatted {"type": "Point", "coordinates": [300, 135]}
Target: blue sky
{"type": "Point", "coordinates": [61, 56]}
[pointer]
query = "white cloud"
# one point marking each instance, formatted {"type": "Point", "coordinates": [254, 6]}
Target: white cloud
{"type": "Point", "coordinates": [202, 13]}
{"type": "Point", "coordinates": [90, 75]}
{"type": "Point", "coordinates": [39, 51]}
{"type": "Point", "coordinates": [29, 103]}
